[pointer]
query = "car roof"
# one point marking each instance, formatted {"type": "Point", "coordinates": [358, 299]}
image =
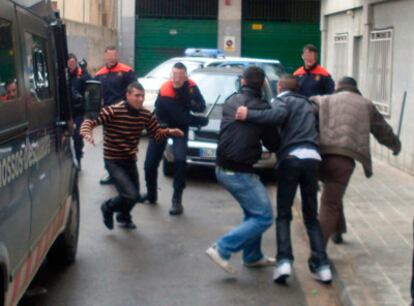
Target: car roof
{"type": "Point", "coordinates": [196, 59]}
{"type": "Point", "coordinates": [225, 59]}
{"type": "Point", "coordinates": [220, 70]}
{"type": "Point", "coordinates": [250, 59]}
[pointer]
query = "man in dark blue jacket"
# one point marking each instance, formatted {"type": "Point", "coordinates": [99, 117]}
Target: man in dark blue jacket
{"type": "Point", "coordinates": [239, 148]}
{"type": "Point", "coordinates": [115, 77]}
{"type": "Point", "coordinates": [77, 80]}
{"type": "Point", "coordinates": [298, 165]}
{"type": "Point", "coordinates": [313, 79]}
{"type": "Point", "coordinates": [176, 99]}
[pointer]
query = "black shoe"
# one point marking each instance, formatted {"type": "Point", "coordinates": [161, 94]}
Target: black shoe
{"type": "Point", "coordinates": [337, 239]}
{"type": "Point", "coordinates": [148, 199]}
{"type": "Point", "coordinates": [125, 221]}
{"type": "Point", "coordinates": [177, 206]}
{"type": "Point", "coordinates": [108, 215]}
{"type": "Point", "coordinates": [106, 180]}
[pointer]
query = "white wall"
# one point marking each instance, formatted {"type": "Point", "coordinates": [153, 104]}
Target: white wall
{"type": "Point", "coordinates": [358, 17]}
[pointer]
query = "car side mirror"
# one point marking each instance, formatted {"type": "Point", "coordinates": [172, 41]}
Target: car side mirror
{"type": "Point", "coordinates": [92, 99]}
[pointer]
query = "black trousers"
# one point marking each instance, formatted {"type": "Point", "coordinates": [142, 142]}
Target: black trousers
{"type": "Point", "coordinates": [294, 172]}
{"type": "Point", "coordinates": [126, 179]}
{"type": "Point", "coordinates": [77, 138]}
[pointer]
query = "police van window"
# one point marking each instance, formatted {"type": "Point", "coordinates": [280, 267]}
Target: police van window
{"type": "Point", "coordinates": [8, 84]}
{"type": "Point", "coordinates": [37, 65]}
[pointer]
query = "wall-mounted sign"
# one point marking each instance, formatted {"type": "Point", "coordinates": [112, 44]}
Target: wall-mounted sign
{"type": "Point", "coordinates": [229, 43]}
{"type": "Point", "coordinates": [257, 26]}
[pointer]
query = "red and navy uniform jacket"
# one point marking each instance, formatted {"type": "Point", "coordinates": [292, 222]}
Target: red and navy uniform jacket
{"type": "Point", "coordinates": [77, 81]}
{"type": "Point", "coordinates": [173, 105]}
{"type": "Point", "coordinates": [315, 81]}
{"type": "Point", "coordinates": [115, 81]}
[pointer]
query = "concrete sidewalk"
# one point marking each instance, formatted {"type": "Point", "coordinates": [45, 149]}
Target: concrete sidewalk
{"type": "Point", "coordinates": [373, 267]}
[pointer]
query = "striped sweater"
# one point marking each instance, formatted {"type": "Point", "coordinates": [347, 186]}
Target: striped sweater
{"type": "Point", "coordinates": [123, 126]}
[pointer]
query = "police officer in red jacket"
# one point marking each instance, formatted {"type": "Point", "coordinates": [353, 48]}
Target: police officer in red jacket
{"type": "Point", "coordinates": [313, 78]}
{"type": "Point", "coordinates": [176, 99]}
{"type": "Point", "coordinates": [115, 78]}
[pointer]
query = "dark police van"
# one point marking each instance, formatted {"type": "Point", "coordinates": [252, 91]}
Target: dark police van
{"type": "Point", "coordinates": [39, 200]}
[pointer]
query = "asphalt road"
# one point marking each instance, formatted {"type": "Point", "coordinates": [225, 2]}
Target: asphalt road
{"type": "Point", "coordinates": [163, 261]}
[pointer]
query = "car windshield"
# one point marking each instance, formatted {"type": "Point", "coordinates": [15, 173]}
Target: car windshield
{"type": "Point", "coordinates": [213, 85]}
{"type": "Point", "coordinates": [273, 71]}
{"type": "Point", "coordinates": [163, 70]}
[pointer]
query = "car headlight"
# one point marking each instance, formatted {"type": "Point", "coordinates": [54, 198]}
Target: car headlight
{"type": "Point", "coordinates": [191, 135]}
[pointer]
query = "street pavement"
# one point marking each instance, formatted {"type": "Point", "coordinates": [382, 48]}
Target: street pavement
{"type": "Point", "coordinates": [163, 261]}
{"type": "Point", "coordinates": [374, 265]}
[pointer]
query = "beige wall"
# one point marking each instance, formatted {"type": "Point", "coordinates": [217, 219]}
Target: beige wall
{"type": "Point", "coordinates": [89, 42]}
{"type": "Point", "coordinates": [96, 12]}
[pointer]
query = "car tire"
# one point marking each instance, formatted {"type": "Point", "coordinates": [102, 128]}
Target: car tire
{"type": "Point", "coordinates": [63, 251]}
{"type": "Point", "coordinates": [167, 167]}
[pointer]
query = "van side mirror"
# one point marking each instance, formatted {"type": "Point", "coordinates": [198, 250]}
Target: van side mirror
{"type": "Point", "coordinates": [92, 99]}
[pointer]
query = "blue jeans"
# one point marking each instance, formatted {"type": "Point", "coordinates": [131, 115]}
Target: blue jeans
{"type": "Point", "coordinates": [252, 196]}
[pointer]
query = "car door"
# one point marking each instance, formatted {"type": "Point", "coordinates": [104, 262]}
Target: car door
{"type": "Point", "coordinates": [44, 175]}
{"type": "Point", "coordinates": [14, 166]}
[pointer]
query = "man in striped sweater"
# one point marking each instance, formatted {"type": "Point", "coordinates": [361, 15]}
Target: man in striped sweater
{"type": "Point", "coordinates": [124, 123]}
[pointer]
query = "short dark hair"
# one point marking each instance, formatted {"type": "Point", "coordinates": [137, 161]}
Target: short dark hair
{"type": "Point", "coordinates": [254, 77]}
{"type": "Point", "coordinates": [180, 65]}
{"type": "Point", "coordinates": [72, 56]}
{"type": "Point", "coordinates": [110, 48]}
{"type": "Point", "coordinates": [9, 82]}
{"type": "Point", "coordinates": [288, 82]}
{"type": "Point", "coordinates": [310, 48]}
{"type": "Point", "coordinates": [135, 85]}
{"type": "Point", "coordinates": [348, 81]}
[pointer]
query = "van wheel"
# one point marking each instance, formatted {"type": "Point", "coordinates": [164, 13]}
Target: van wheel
{"type": "Point", "coordinates": [63, 251]}
{"type": "Point", "coordinates": [167, 167]}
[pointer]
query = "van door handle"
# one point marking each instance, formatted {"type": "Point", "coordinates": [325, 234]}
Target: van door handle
{"type": "Point", "coordinates": [61, 123]}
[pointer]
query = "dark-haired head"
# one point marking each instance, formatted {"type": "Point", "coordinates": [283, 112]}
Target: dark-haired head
{"type": "Point", "coordinates": [180, 66]}
{"type": "Point", "coordinates": [287, 82]}
{"type": "Point", "coordinates": [254, 77]}
{"type": "Point", "coordinates": [135, 85]}
{"type": "Point", "coordinates": [349, 84]}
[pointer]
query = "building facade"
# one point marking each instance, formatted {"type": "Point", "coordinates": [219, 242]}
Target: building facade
{"type": "Point", "coordinates": [91, 26]}
{"type": "Point", "coordinates": [273, 29]}
{"type": "Point", "coordinates": [371, 40]}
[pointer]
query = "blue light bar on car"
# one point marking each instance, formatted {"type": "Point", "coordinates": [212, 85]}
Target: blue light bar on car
{"type": "Point", "coordinates": [204, 52]}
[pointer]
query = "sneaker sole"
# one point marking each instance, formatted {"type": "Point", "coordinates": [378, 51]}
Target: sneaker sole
{"type": "Point", "coordinates": [281, 279]}
{"type": "Point", "coordinates": [227, 269]}
{"type": "Point", "coordinates": [326, 282]}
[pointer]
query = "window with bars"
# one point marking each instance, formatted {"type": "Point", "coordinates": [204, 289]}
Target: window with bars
{"type": "Point", "coordinates": [340, 68]}
{"type": "Point", "coordinates": [380, 69]}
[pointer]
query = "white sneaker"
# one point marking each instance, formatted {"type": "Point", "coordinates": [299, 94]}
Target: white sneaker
{"type": "Point", "coordinates": [261, 263]}
{"type": "Point", "coordinates": [282, 271]}
{"type": "Point", "coordinates": [323, 274]}
{"type": "Point", "coordinates": [214, 255]}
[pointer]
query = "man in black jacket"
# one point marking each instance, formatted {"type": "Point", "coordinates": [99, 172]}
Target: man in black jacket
{"type": "Point", "coordinates": [239, 148]}
{"type": "Point", "coordinates": [298, 165]}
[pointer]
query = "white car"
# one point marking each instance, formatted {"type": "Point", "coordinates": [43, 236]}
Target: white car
{"type": "Point", "coordinates": [201, 58]}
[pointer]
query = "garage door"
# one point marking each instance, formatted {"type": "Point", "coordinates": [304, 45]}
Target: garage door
{"type": "Point", "coordinates": [159, 39]}
{"type": "Point", "coordinates": [278, 40]}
